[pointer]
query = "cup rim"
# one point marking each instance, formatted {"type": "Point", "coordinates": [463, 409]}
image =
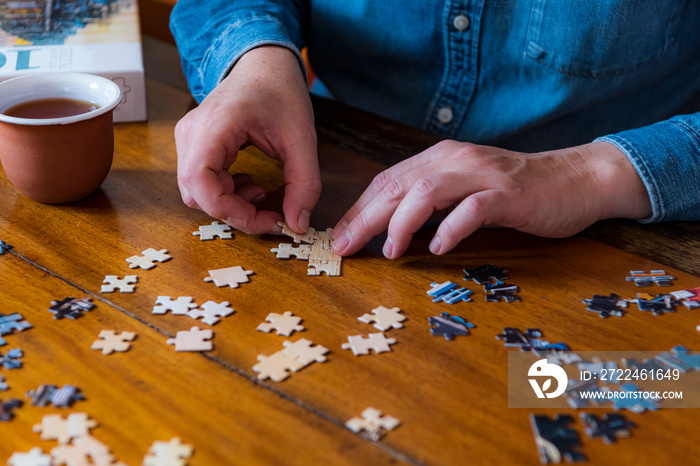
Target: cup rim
{"type": "Point", "coordinates": [112, 90]}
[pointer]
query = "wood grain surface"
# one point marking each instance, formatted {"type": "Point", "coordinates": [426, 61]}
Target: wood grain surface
{"type": "Point", "coordinates": [451, 396]}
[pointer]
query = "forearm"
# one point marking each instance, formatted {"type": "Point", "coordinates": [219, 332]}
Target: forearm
{"type": "Point", "coordinates": [212, 35]}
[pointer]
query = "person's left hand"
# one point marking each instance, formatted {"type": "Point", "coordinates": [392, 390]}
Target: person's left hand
{"type": "Point", "coordinates": [553, 194]}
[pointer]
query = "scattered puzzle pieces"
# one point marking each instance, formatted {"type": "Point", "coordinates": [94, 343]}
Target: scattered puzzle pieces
{"type": "Point", "coordinates": [555, 440]}
{"type": "Point", "coordinates": [11, 359]}
{"type": "Point", "coordinates": [8, 407]}
{"type": "Point", "coordinates": [375, 341]}
{"type": "Point", "coordinates": [35, 457]}
{"type": "Point", "coordinates": [606, 306]}
{"type": "Point", "coordinates": [384, 318]}
{"type": "Point", "coordinates": [317, 250]}
{"type": "Point", "coordinates": [285, 324]}
{"type": "Point", "coordinates": [610, 427]}
{"type": "Point", "coordinates": [179, 306]}
{"type": "Point", "coordinates": [172, 453]}
{"type": "Point", "coordinates": [11, 322]}
{"type": "Point", "coordinates": [501, 291]}
{"type": "Point", "coordinates": [63, 397]}
{"type": "Point", "coordinates": [449, 293]}
{"type": "Point", "coordinates": [149, 258]}
{"type": "Point", "coordinates": [292, 358]}
{"type": "Point", "coordinates": [230, 276]}
{"type": "Point", "coordinates": [449, 326]}
{"type": "Point", "coordinates": [655, 277]}
{"type": "Point", "coordinates": [484, 273]}
{"type": "Point", "coordinates": [373, 422]}
{"type": "Point", "coordinates": [54, 427]}
{"type": "Point", "coordinates": [109, 341]}
{"type": "Point", "coordinates": [124, 285]}
{"type": "Point", "coordinates": [209, 232]}
{"type": "Point", "coordinates": [211, 311]}
{"type": "Point", "coordinates": [70, 307]}
{"type": "Point", "coordinates": [516, 338]}
{"type": "Point", "coordinates": [193, 339]}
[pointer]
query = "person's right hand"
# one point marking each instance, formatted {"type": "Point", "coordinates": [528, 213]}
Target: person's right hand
{"type": "Point", "coordinates": [265, 102]}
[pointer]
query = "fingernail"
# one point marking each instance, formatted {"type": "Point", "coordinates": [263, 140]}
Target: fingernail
{"type": "Point", "coordinates": [435, 245]}
{"type": "Point", "coordinates": [342, 242]}
{"type": "Point", "coordinates": [388, 247]}
{"type": "Point", "coordinates": [304, 220]}
{"type": "Point", "coordinates": [237, 222]}
{"type": "Point", "coordinates": [339, 228]}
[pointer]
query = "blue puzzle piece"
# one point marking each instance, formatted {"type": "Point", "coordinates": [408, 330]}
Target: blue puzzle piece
{"type": "Point", "coordinates": [4, 247]}
{"type": "Point", "coordinates": [11, 359]}
{"type": "Point", "coordinates": [679, 358]}
{"type": "Point", "coordinates": [636, 405]}
{"type": "Point", "coordinates": [449, 292]}
{"type": "Point", "coordinates": [449, 326]}
{"type": "Point", "coordinates": [11, 322]}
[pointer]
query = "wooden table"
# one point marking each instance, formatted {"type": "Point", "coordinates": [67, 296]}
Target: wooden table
{"type": "Point", "coordinates": [451, 396]}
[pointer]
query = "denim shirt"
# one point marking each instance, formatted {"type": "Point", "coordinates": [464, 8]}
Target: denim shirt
{"type": "Point", "coordinates": [528, 75]}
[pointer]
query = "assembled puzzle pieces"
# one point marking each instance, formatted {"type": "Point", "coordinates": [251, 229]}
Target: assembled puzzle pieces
{"type": "Point", "coordinates": [109, 341]}
{"type": "Point", "coordinates": [209, 232]}
{"type": "Point", "coordinates": [373, 422]}
{"type": "Point", "coordinates": [484, 273]}
{"type": "Point", "coordinates": [285, 324]}
{"type": "Point", "coordinates": [449, 326]}
{"type": "Point", "coordinates": [555, 440]}
{"type": "Point", "coordinates": [193, 339]}
{"type": "Point", "coordinates": [292, 358]}
{"type": "Point", "coordinates": [149, 258]}
{"type": "Point", "coordinates": [230, 276]}
{"type": "Point", "coordinates": [375, 341]}
{"type": "Point", "coordinates": [384, 318]}
{"type": "Point", "coordinates": [70, 307]}
{"type": "Point", "coordinates": [172, 453]}
{"type": "Point", "coordinates": [124, 285]}
{"type": "Point", "coordinates": [317, 250]}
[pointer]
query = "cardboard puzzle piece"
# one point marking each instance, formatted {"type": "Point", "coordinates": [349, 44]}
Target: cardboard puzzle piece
{"type": "Point", "coordinates": [11, 359]}
{"type": "Point", "coordinates": [317, 250]}
{"type": "Point", "coordinates": [606, 306]}
{"type": "Point", "coordinates": [11, 322]}
{"type": "Point", "coordinates": [70, 307]}
{"type": "Point", "coordinates": [179, 306]}
{"type": "Point", "coordinates": [373, 422]}
{"type": "Point", "coordinates": [610, 427]}
{"type": "Point", "coordinates": [449, 293]}
{"type": "Point", "coordinates": [658, 305]}
{"type": "Point", "coordinates": [449, 326]}
{"type": "Point", "coordinates": [193, 339]}
{"type": "Point", "coordinates": [149, 258]}
{"type": "Point", "coordinates": [581, 394]}
{"type": "Point", "coordinates": [515, 338]}
{"type": "Point", "coordinates": [230, 276]}
{"type": "Point", "coordinates": [501, 291]}
{"type": "Point", "coordinates": [211, 311]}
{"type": "Point", "coordinates": [680, 358]}
{"type": "Point", "coordinates": [63, 397]}
{"type": "Point", "coordinates": [35, 457]}
{"type": "Point", "coordinates": [4, 247]}
{"type": "Point", "coordinates": [172, 453]}
{"type": "Point", "coordinates": [636, 405]}
{"type": "Point", "coordinates": [375, 341]}
{"type": "Point", "coordinates": [555, 440]}
{"type": "Point", "coordinates": [54, 427]}
{"type": "Point", "coordinates": [8, 407]}
{"type": "Point", "coordinates": [209, 232]}
{"type": "Point", "coordinates": [484, 273]}
{"type": "Point", "coordinates": [654, 277]}
{"type": "Point", "coordinates": [384, 318]}
{"type": "Point", "coordinates": [294, 357]}
{"type": "Point", "coordinates": [109, 341]}
{"type": "Point", "coordinates": [84, 451]}
{"type": "Point", "coordinates": [284, 324]}
{"type": "Point", "coordinates": [124, 285]}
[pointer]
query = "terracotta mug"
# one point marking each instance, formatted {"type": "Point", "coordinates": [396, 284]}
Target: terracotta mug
{"type": "Point", "coordinates": [50, 158]}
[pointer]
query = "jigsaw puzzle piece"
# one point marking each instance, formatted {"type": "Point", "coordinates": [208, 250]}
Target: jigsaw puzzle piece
{"type": "Point", "coordinates": [555, 440]}
{"type": "Point", "coordinates": [35, 457]}
{"type": "Point", "coordinates": [172, 453]}
{"type": "Point", "coordinates": [211, 311]}
{"type": "Point", "coordinates": [230, 276]}
{"type": "Point", "coordinates": [277, 366]}
{"type": "Point", "coordinates": [373, 422]}
{"type": "Point", "coordinates": [484, 273]}
{"type": "Point", "coordinates": [109, 341]}
{"type": "Point", "coordinates": [449, 326]}
{"type": "Point", "coordinates": [384, 318]}
{"type": "Point", "coordinates": [124, 285]}
{"type": "Point", "coordinates": [209, 232]}
{"type": "Point", "coordinates": [285, 324]}
{"type": "Point", "coordinates": [375, 341]}
{"type": "Point", "coordinates": [193, 339]}
{"type": "Point", "coordinates": [179, 306]}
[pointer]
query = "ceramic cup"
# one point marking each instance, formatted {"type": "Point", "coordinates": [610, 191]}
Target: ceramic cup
{"type": "Point", "coordinates": [55, 160]}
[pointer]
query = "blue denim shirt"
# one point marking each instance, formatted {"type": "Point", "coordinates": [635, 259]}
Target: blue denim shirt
{"type": "Point", "coordinates": [527, 75]}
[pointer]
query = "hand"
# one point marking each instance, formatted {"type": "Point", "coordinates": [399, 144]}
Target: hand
{"type": "Point", "coordinates": [263, 101]}
{"type": "Point", "coordinates": [553, 194]}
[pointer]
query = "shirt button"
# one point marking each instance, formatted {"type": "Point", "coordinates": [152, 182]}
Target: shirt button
{"type": "Point", "coordinates": [461, 22]}
{"type": "Point", "coordinates": [445, 115]}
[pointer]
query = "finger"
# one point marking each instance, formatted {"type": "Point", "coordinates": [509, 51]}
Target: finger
{"type": "Point", "coordinates": [428, 195]}
{"type": "Point", "coordinates": [373, 218]}
{"type": "Point", "coordinates": [480, 209]}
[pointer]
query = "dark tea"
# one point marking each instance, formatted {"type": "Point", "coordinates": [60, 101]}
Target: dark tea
{"type": "Point", "coordinates": [51, 108]}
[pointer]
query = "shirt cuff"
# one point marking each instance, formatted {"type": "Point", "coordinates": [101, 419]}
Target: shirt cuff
{"type": "Point", "coordinates": [666, 156]}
